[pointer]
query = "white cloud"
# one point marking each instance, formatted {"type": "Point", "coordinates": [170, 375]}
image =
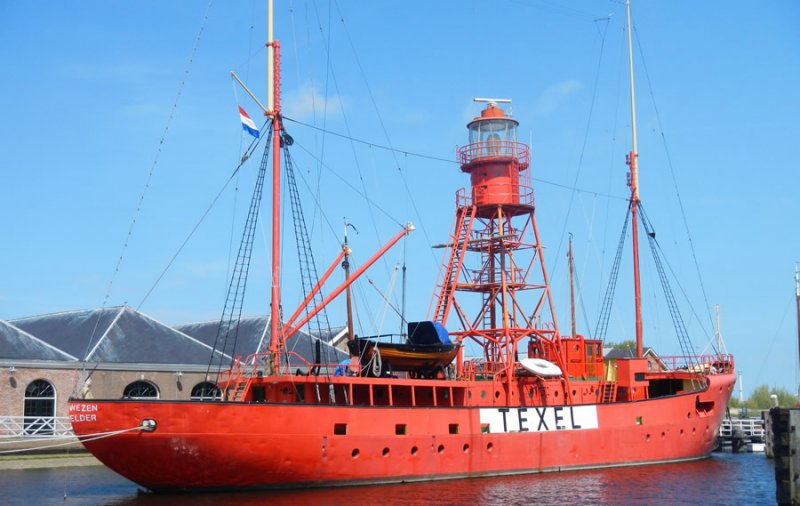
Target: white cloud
{"type": "Point", "coordinates": [306, 103]}
{"type": "Point", "coordinates": [551, 98]}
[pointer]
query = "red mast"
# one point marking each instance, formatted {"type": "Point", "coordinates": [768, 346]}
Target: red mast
{"type": "Point", "coordinates": [495, 225]}
{"type": "Point", "coordinates": [274, 112]}
{"type": "Point", "coordinates": [633, 182]}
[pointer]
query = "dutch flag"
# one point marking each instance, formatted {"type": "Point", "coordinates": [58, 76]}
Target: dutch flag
{"type": "Point", "coordinates": [247, 123]}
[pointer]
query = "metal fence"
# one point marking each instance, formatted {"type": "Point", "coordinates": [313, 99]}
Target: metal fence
{"type": "Point", "coordinates": [35, 427]}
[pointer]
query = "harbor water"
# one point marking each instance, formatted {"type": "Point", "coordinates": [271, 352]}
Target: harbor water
{"type": "Point", "coordinates": [725, 478]}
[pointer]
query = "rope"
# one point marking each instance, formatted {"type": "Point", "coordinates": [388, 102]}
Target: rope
{"type": "Point", "coordinates": [245, 157]}
{"type": "Point", "coordinates": [136, 213]}
{"type": "Point", "coordinates": [583, 146]}
{"type": "Point", "coordinates": [445, 160]}
{"type": "Point", "coordinates": [388, 140]}
{"type": "Point", "coordinates": [81, 440]}
{"type": "Point", "coordinates": [674, 180]}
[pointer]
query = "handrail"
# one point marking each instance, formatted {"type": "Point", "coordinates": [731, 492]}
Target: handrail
{"type": "Point", "coordinates": [494, 149]}
{"type": "Point", "coordinates": [35, 426]}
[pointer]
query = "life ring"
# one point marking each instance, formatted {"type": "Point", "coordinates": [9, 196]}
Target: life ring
{"type": "Point", "coordinates": [541, 367]}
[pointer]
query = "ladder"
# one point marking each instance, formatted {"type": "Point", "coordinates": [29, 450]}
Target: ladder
{"type": "Point", "coordinates": [458, 250]}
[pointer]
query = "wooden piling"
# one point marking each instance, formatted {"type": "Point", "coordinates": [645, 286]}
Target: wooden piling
{"type": "Point", "coordinates": [785, 425]}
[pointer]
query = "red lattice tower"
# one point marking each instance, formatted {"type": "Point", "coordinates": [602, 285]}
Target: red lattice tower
{"type": "Point", "coordinates": [484, 279]}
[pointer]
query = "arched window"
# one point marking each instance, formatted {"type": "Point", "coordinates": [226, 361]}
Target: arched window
{"type": "Point", "coordinates": [206, 391]}
{"type": "Point", "coordinates": [140, 390]}
{"type": "Point", "coordinates": [40, 409]}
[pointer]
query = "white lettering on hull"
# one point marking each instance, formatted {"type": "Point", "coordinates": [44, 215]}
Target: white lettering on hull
{"type": "Point", "coordinates": [539, 419]}
{"type": "Point", "coordinates": [82, 413]}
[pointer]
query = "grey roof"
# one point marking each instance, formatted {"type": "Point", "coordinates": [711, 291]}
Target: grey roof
{"type": "Point", "coordinates": [625, 352]}
{"type": "Point", "coordinates": [16, 344]}
{"type": "Point", "coordinates": [115, 335]}
{"type": "Point", "coordinates": [69, 331]}
{"type": "Point", "coordinates": [253, 336]}
{"type": "Point", "coordinates": [122, 335]}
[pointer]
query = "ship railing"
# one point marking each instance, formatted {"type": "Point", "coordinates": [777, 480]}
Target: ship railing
{"type": "Point", "coordinates": [486, 150]}
{"type": "Point", "coordinates": [258, 365]}
{"type": "Point", "coordinates": [702, 364]}
{"type": "Point", "coordinates": [35, 427]}
{"type": "Point", "coordinates": [482, 369]}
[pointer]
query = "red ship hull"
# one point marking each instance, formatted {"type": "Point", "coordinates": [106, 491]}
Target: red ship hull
{"type": "Point", "coordinates": [236, 445]}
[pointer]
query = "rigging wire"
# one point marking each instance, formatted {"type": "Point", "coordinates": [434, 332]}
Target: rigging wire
{"type": "Point", "coordinates": [674, 178]}
{"type": "Point", "coordinates": [684, 340]}
{"type": "Point", "coordinates": [585, 142]}
{"type": "Point", "coordinates": [332, 74]}
{"type": "Point", "coordinates": [149, 178]}
{"type": "Point", "coordinates": [346, 182]}
{"type": "Point", "coordinates": [621, 58]}
{"type": "Point", "coordinates": [230, 320]}
{"type": "Point", "coordinates": [388, 138]}
{"type": "Point", "coordinates": [608, 300]}
{"type": "Point", "coordinates": [703, 328]}
{"type": "Point", "coordinates": [448, 160]}
{"type": "Point", "coordinates": [241, 145]}
{"type": "Point", "coordinates": [244, 159]}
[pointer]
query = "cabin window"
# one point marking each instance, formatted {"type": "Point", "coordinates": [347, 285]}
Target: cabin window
{"type": "Point", "coordinates": [206, 391]}
{"type": "Point", "coordinates": [453, 428]}
{"type": "Point", "coordinates": [140, 390]}
{"type": "Point", "coordinates": [340, 429]}
{"type": "Point", "coordinates": [40, 408]}
{"type": "Point", "coordinates": [400, 429]}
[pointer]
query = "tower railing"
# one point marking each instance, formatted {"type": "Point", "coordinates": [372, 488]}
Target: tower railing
{"type": "Point", "coordinates": [514, 194]}
{"type": "Point", "coordinates": [494, 149]}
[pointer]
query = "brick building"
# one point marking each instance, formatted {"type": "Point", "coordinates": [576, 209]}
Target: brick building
{"type": "Point", "coordinates": [127, 354]}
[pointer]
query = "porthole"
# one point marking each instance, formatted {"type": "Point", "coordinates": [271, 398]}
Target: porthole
{"type": "Point", "coordinates": [414, 450]}
{"type": "Point", "coordinates": [440, 449]}
{"type": "Point", "coordinates": [466, 448]}
{"type": "Point", "coordinates": [356, 453]}
{"type": "Point", "coordinates": [385, 452]}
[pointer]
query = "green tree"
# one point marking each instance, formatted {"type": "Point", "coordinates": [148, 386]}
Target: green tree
{"type": "Point", "coordinates": [760, 398]}
{"type": "Point", "coordinates": [625, 345]}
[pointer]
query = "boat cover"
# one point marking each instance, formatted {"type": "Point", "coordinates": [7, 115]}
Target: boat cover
{"type": "Point", "coordinates": [427, 333]}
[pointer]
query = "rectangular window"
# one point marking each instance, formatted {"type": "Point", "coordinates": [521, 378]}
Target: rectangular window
{"type": "Point", "coordinates": [400, 429]}
{"type": "Point", "coordinates": [340, 429]}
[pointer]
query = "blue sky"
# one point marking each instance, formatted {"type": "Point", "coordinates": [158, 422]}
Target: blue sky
{"type": "Point", "coordinates": [89, 89]}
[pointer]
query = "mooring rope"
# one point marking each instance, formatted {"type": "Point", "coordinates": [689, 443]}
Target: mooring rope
{"type": "Point", "coordinates": [91, 437]}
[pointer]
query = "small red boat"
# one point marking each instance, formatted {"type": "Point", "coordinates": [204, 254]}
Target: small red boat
{"type": "Point", "coordinates": [529, 400]}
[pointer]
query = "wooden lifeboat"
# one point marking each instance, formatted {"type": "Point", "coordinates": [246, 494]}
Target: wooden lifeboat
{"type": "Point", "coordinates": [426, 352]}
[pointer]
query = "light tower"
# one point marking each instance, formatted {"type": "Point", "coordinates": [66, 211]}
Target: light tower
{"type": "Point", "coordinates": [483, 282]}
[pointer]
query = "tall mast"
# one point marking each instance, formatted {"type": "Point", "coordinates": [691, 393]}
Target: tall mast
{"type": "Point", "coordinates": [572, 287]}
{"type": "Point", "coordinates": [274, 112]}
{"type": "Point", "coordinates": [634, 201]}
{"type": "Point", "coordinates": [797, 300]}
{"type": "Point", "coordinates": [346, 267]}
